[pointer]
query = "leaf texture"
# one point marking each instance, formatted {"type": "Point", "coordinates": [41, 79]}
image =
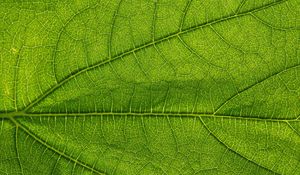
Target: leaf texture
{"type": "Point", "coordinates": [149, 87]}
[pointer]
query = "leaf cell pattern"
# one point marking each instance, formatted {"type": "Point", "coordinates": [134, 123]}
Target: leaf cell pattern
{"type": "Point", "coordinates": [149, 87]}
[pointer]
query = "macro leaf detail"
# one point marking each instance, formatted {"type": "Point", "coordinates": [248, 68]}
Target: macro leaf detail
{"type": "Point", "coordinates": [149, 87]}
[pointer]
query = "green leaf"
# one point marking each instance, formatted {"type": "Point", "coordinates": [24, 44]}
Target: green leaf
{"type": "Point", "coordinates": [150, 87]}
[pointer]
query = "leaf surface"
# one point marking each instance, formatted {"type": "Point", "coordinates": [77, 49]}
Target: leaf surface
{"type": "Point", "coordinates": [150, 87]}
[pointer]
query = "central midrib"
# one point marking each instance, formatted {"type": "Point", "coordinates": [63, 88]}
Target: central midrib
{"type": "Point", "coordinates": [141, 47]}
{"type": "Point", "coordinates": [147, 114]}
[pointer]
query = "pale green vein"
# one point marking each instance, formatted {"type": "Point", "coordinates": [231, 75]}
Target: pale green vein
{"type": "Point", "coordinates": [231, 149]}
{"type": "Point", "coordinates": [253, 85]}
{"type": "Point", "coordinates": [166, 38]}
{"type": "Point", "coordinates": [112, 29]}
{"type": "Point", "coordinates": [154, 21]}
{"type": "Point", "coordinates": [47, 145]}
{"type": "Point", "coordinates": [196, 54]}
{"type": "Point", "coordinates": [16, 77]}
{"type": "Point", "coordinates": [184, 14]}
{"type": "Point", "coordinates": [273, 26]}
{"type": "Point", "coordinates": [60, 34]}
{"type": "Point", "coordinates": [173, 134]}
{"type": "Point", "coordinates": [162, 114]}
{"type": "Point", "coordinates": [295, 130]}
{"type": "Point", "coordinates": [17, 150]}
{"type": "Point", "coordinates": [227, 42]}
{"type": "Point", "coordinates": [240, 6]}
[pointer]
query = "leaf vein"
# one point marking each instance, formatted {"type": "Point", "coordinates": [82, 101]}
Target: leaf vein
{"type": "Point", "coordinates": [162, 114]}
{"type": "Point", "coordinates": [232, 150]}
{"type": "Point", "coordinates": [47, 145]}
{"type": "Point", "coordinates": [130, 51]}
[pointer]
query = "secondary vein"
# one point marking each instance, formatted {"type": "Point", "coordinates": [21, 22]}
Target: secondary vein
{"type": "Point", "coordinates": [159, 40]}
